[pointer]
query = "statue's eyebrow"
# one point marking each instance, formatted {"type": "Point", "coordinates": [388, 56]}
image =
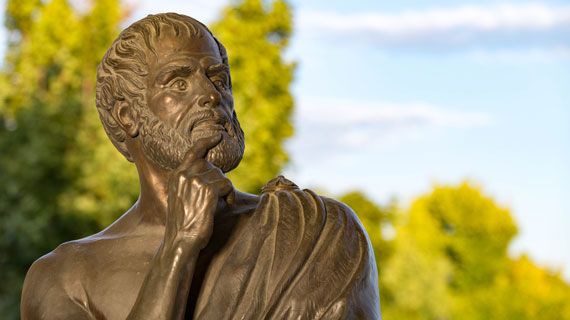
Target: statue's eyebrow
{"type": "Point", "coordinates": [213, 69]}
{"type": "Point", "coordinates": [172, 72]}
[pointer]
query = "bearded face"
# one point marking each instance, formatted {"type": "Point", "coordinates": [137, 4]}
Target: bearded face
{"type": "Point", "coordinates": [166, 146]}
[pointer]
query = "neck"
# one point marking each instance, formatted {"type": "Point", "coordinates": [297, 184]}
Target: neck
{"type": "Point", "coordinates": [151, 207]}
{"type": "Point", "coordinates": [153, 200]}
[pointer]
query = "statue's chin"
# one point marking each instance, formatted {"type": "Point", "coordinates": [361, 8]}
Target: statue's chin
{"type": "Point", "coordinates": [168, 153]}
{"type": "Point", "coordinates": [227, 154]}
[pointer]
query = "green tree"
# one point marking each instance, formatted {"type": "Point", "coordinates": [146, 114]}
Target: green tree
{"type": "Point", "coordinates": [261, 80]}
{"type": "Point", "coordinates": [450, 261]}
{"type": "Point", "coordinates": [459, 238]}
{"type": "Point", "coordinates": [475, 232]}
{"type": "Point", "coordinates": [526, 291]}
{"type": "Point", "coordinates": [414, 282]}
{"type": "Point", "coordinates": [47, 121]}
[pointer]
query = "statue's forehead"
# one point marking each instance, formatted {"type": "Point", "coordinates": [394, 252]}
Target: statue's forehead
{"type": "Point", "coordinates": [176, 59]}
{"type": "Point", "coordinates": [195, 47]}
{"type": "Point", "coordinates": [204, 59]}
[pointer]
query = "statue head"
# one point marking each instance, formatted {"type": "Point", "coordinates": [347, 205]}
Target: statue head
{"type": "Point", "coordinates": [165, 80]}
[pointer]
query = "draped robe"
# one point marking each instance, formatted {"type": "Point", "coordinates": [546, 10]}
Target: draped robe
{"type": "Point", "coordinates": [297, 256]}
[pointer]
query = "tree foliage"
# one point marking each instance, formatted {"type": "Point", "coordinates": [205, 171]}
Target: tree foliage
{"type": "Point", "coordinates": [48, 127]}
{"type": "Point", "coordinates": [449, 260]}
{"type": "Point", "coordinates": [255, 34]}
{"type": "Point", "coordinates": [527, 291]}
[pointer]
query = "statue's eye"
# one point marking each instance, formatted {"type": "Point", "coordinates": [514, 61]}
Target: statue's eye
{"type": "Point", "coordinates": [220, 84]}
{"type": "Point", "coordinates": [179, 85]}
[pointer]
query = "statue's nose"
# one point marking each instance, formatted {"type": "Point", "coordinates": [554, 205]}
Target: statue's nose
{"type": "Point", "coordinates": [210, 99]}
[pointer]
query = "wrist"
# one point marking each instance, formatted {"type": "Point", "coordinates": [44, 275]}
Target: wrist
{"type": "Point", "coordinates": [196, 235]}
{"type": "Point", "coordinates": [180, 246]}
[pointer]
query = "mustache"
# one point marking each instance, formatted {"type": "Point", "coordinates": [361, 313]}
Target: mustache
{"type": "Point", "coordinates": [206, 115]}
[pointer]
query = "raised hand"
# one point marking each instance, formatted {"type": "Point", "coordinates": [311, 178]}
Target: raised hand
{"type": "Point", "coordinates": [195, 188]}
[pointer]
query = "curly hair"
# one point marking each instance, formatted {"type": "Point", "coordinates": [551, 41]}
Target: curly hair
{"type": "Point", "coordinates": [121, 75]}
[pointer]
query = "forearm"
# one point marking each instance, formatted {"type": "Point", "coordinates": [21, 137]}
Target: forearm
{"type": "Point", "coordinates": [194, 191]}
{"type": "Point", "coordinates": [165, 289]}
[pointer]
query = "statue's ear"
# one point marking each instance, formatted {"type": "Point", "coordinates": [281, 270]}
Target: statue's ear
{"type": "Point", "coordinates": [125, 117]}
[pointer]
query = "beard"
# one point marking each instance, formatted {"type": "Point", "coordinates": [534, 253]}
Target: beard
{"type": "Point", "coordinates": [167, 147]}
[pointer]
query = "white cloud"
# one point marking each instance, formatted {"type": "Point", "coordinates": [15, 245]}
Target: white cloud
{"type": "Point", "coordinates": [462, 24]}
{"type": "Point", "coordinates": [324, 123]}
{"type": "Point", "coordinates": [338, 112]}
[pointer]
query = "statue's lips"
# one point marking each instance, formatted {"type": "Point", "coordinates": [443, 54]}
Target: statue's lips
{"type": "Point", "coordinates": [208, 120]}
{"type": "Point", "coordinates": [208, 125]}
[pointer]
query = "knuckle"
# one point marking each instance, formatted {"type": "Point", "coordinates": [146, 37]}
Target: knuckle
{"type": "Point", "coordinates": [196, 182]}
{"type": "Point", "coordinates": [181, 178]}
{"type": "Point", "coordinates": [208, 188]}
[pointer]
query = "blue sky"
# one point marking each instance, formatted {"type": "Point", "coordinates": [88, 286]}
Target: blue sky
{"type": "Point", "coordinates": [394, 96]}
{"type": "Point", "coordinates": [428, 92]}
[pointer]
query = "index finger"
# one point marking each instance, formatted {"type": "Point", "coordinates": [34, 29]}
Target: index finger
{"type": "Point", "coordinates": [200, 148]}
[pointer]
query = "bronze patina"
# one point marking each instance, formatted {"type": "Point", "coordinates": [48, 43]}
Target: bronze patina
{"type": "Point", "coordinates": [192, 246]}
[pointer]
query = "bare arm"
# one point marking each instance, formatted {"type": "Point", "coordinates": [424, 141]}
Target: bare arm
{"type": "Point", "coordinates": [194, 191]}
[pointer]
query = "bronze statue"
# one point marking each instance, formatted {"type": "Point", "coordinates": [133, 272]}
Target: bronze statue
{"type": "Point", "coordinates": [192, 246]}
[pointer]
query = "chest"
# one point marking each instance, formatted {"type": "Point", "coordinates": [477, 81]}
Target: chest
{"type": "Point", "coordinates": [116, 276]}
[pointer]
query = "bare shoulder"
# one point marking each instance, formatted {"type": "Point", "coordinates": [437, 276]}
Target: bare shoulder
{"type": "Point", "coordinates": [52, 289]}
{"type": "Point", "coordinates": [83, 279]}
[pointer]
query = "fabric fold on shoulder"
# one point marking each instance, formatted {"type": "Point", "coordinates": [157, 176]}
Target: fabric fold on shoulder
{"type": "Point", "coordinates": [297, 256]}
